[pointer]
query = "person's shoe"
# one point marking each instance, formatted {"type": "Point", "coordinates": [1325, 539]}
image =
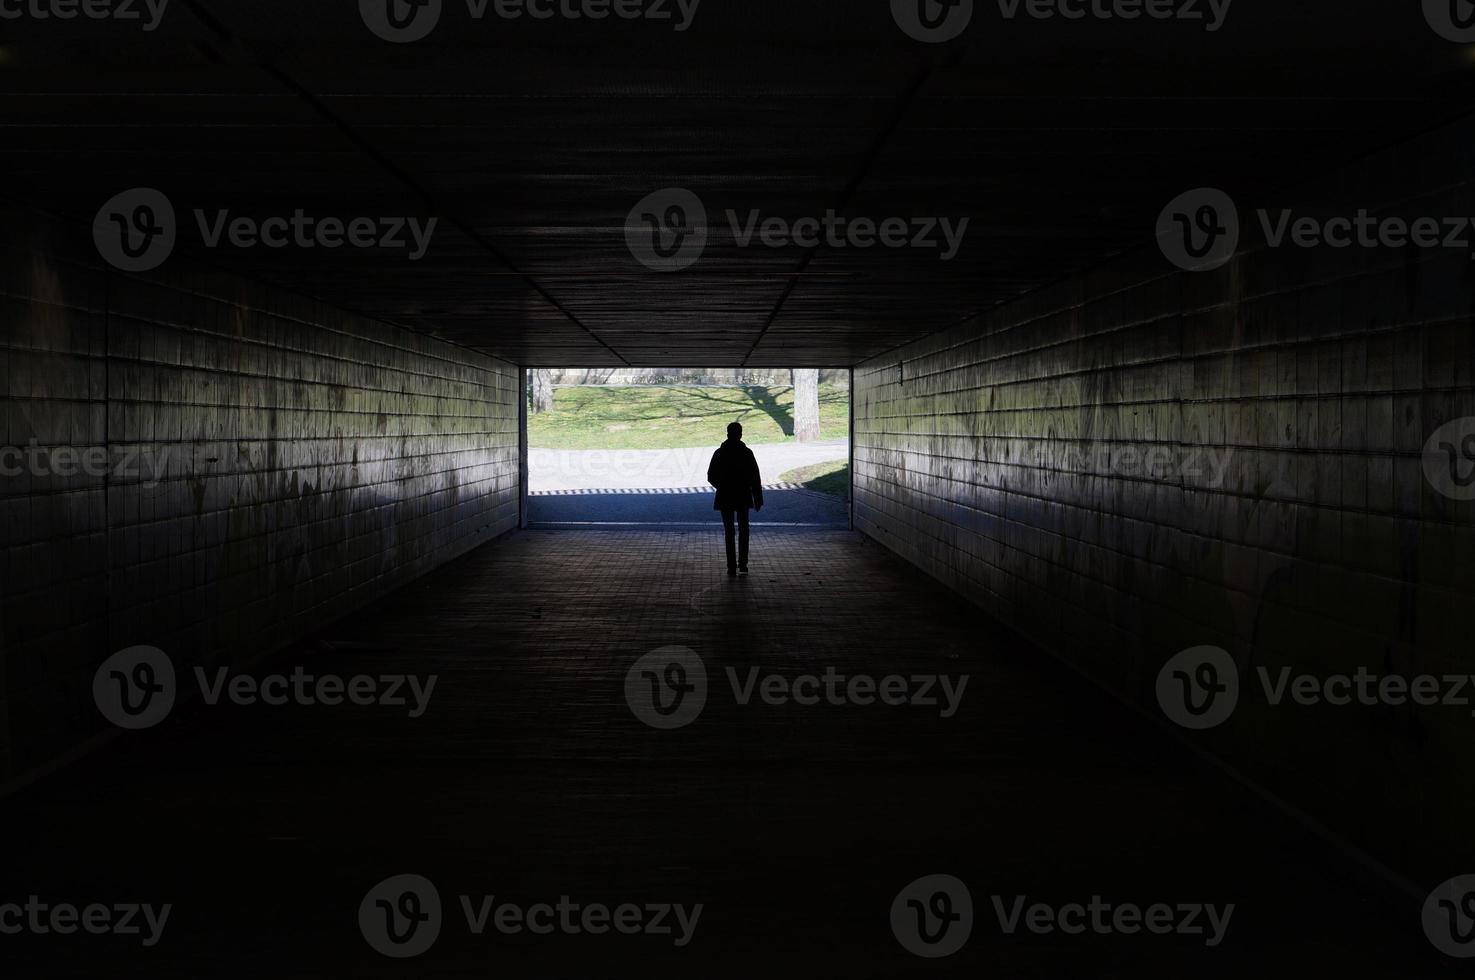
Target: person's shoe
{"type": "Point", "coordinates": [732, 571]}
{"type": "Point", "coordinates": [743, 570]}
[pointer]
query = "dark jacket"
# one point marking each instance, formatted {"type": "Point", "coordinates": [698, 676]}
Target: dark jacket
{"type": "Point", "coordinates": [734, 472]}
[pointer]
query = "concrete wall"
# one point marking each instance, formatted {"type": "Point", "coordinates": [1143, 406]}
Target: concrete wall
{"type": "Point", "coordinates": [1143, 460]}
{"type": "Point", "coordinates": [271, 464]}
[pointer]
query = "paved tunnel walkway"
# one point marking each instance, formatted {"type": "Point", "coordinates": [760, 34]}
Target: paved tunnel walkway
{"type": "Point", "coordinates": [530, 778]}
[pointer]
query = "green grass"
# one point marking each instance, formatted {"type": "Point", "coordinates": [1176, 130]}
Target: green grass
{"type": "Point", "coordinates": [653, 417]}
{"type": "Point", "coordinates": [831, 478]}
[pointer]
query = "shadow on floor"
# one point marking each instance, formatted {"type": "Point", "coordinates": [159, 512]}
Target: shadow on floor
{"type": "Point", "coordinates": [536, 777]}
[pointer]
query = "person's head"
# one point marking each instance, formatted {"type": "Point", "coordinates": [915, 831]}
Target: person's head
{"type": "Point", "coordinates": [735, 431]}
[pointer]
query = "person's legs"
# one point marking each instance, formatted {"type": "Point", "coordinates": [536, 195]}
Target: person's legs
{"type": "Point", "coordinates": [742, 516]}
{"type": "Point", "coordinates": [727, 530]}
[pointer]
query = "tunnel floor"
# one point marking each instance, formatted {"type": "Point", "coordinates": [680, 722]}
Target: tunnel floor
{"type": "Point", "coordinates": [530, 778]}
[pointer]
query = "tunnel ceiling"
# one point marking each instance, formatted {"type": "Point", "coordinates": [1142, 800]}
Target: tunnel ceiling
{"type": "Point", "coordinates": [532, 140]}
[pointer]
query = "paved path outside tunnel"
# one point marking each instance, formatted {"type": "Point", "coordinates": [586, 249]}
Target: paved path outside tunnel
{"type": "Point", "coordinates": [602, 469]}
{"type": "Point", "coordinates": [682, 507]}
{"type": "Point", "coordinates": [530, 778]}
{"type": "Point", "coordinates": [573, 488]}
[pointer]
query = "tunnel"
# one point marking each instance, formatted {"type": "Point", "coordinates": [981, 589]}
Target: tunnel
{"type": "Point", "coordinates": [1135, 648]}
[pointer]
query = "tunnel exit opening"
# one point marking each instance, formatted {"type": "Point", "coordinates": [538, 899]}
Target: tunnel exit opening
{"type": "Point", "coordinates": [631, 447]}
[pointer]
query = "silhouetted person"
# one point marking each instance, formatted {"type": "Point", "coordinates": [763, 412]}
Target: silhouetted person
{"type": "Point", "coordinates": [734, 472]}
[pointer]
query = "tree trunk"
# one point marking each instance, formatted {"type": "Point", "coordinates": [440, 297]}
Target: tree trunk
{"type": "Point", "coordinates": [806, 404]}
{"type": "Point", "coordinates": [542, 391]}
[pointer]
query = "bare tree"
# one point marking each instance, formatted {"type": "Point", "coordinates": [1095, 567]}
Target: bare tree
{"type": "Point", "coordinates": [806, 404]}
{"type": "Point", "coordinates": [542, 390]}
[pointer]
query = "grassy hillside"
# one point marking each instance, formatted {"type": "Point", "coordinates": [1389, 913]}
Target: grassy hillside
{"type": "Point", "coordinates": [651, 417]}
{"type": "Point", "coordinates": [831, 478]}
